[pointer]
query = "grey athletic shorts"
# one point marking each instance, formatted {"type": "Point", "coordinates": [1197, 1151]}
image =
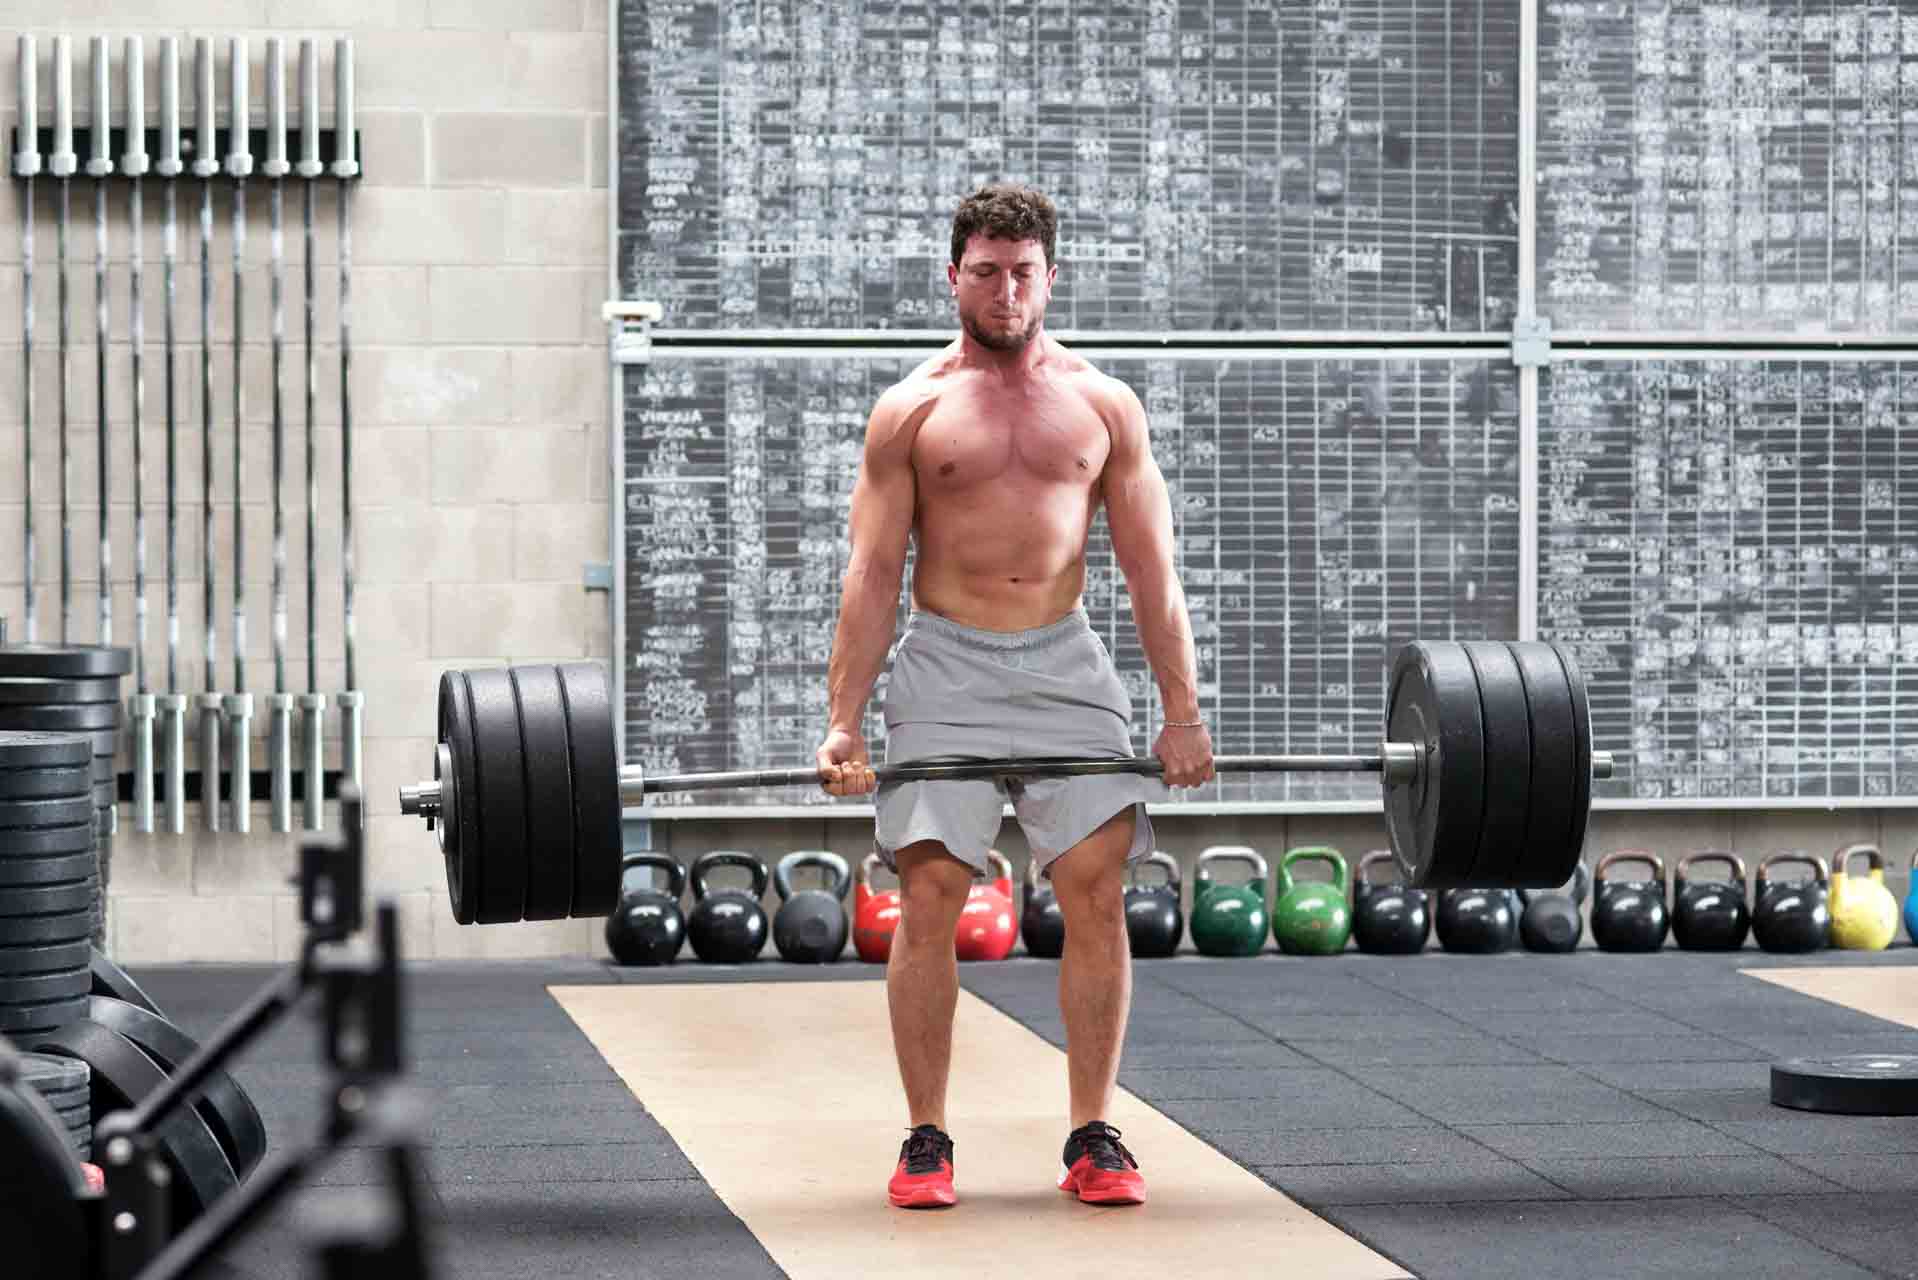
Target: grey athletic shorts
{"type": "Point", "coordinates": [960, 693]}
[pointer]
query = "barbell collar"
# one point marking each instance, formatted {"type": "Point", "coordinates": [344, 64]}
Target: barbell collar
{"type": "Point", "coordinates": [1601, 764]}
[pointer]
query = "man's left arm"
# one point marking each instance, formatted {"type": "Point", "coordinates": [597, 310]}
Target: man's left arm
{"type": "Point", "coordinates": [1139, 515]}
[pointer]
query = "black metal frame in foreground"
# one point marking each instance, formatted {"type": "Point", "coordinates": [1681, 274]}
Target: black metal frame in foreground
{"type": "Point", "coordinates": [361, 993]}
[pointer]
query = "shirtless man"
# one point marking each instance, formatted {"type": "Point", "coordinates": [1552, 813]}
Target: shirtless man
{"type": "Point", "coordinates": [995, 454]}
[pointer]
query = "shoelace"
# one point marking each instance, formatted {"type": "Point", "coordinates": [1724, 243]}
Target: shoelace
{"type": "Point", "coordinates": [924, 1150]}
{"type": "Point", "coordinates": [1101, 1143]}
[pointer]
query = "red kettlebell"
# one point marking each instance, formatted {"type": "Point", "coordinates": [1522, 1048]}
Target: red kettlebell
{"type": "Point", "coordinates": [988, 924]}
{"type": "Point", "coordinates": [875, 915]}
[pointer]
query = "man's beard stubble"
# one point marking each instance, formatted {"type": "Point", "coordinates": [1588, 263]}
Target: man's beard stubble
{"type": "Point", "coordinates": [997, 342]}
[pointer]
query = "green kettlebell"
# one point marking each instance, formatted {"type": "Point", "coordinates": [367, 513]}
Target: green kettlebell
{"type": "Point", "coordinates": [1310, 917]}
{"type": "Point", "coordinates": [1228, 919]}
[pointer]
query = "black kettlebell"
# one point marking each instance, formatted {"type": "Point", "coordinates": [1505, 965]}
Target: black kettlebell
{"type": "Point", "coordinates": [1041, 922]}
{"type": "Point", "coordinates": [1551, 921]}
{"type": "Point", "coordinates": [1390, 919]}
{"type": "Point", "coordinates": [810, 926]}
{"type": "Point", "coordinates": [1710, 915]}
{"type": "Point", "coordinates": [1154, 918]}
{"type": "Point", "coordinates": [1629, 915]}
{"type": "Point", "coordinates": [647, 926]}
{"type": "Point", "coordinates": [1792, 915]}
{"type": "Point", "coordinates": [1477, 921]}
{"type": "Point", "coordinates": [727, 926]}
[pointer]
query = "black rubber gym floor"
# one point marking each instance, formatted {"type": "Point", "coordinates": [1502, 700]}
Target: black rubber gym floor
{"type": "Point", "coordinates": [1569, 1116]}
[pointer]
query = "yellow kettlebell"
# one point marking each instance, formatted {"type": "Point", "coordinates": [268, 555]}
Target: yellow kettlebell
{"type": "Point", "coordinates": [1864, 915]}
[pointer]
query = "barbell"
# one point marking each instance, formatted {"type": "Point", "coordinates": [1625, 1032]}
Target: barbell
{"type": "Point", "coordinates": [1486, 765]}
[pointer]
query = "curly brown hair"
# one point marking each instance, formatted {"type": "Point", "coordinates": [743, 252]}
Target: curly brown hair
{"type": "Point", "coordinates": [1005, 211]}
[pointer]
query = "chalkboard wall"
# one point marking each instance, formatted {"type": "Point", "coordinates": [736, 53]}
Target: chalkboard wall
{"type": "Point", "coordinates": [1719, 536]}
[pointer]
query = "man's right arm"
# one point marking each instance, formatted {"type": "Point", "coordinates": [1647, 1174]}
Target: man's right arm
{"type": "Point", "coordinates": [883, 498]}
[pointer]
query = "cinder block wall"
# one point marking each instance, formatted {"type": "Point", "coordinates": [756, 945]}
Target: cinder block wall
{"type": "Point", "coordinates": [480, 449]}
{"type": "Point", "coordinates": [479, 397]}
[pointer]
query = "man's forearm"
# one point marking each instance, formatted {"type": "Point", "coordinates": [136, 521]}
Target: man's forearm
{"type": "Point", "coordinates": [866, 613]}
{"type": "Point", "coordinates": [1165, 631]}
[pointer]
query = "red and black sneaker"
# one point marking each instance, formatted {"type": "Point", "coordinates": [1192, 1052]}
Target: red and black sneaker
{"type": "Point", "coordinates": [923, 1179]}
{"type": "Point", "coordinates": [1098, 1168]}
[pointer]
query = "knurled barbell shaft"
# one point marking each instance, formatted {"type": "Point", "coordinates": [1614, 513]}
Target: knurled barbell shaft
{"type": "Point", "coordinates": [1397, 761]}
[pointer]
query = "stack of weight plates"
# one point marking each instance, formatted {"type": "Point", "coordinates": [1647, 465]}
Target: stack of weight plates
{"type": "Point", "coordinates": [73, 689]}
{"type": "Point", "coordinates": [49, 880]}
{"type": "Point", "coordinates": [66, 1085]}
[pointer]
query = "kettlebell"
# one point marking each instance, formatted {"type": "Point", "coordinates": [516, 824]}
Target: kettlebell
{"type": "Point", "coordinates": [1478, 922]}
{"type": "Point", "coordinates": [986, 929]}
{"type": "Point", "coordinates": [1710, 915]}
{"type": "Point", "coordinates": [1629, 915]}
{"type": "Point", "coordinates": [647, 926]}
{"type": "Point", "coordinates": [1911, 898]}
{"type": "Point", "coordinates": [875, 915]}
{"type": "Point", "coordinates": [1309, 917]}
{"type": "Point", "coordinates": [810, 926]}
{"type": "Point", "coordinates": [1390, 919]}
{"type": "Point", "coordinates": [727, 926]}
{"type": "Point", "coordinates": [1153, 917]}
{"type": "Point", "coordinates": [1551, 921]}
{"type": "Point", "coordinates": [1041, 923]}
{"type": "Point", "coordinates": [1228, 919]}
{"type": "Point", "coordinates": [1864, 916]}
{"type": "Point", "coordinates": [1791, 915]}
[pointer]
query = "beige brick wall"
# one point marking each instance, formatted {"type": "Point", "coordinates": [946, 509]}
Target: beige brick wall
{"type": "Point", "coordinates": [479, 392]}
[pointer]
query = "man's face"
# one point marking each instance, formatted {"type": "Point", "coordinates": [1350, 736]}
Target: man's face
{"type": "Point", "coordinates": [1002, 287]}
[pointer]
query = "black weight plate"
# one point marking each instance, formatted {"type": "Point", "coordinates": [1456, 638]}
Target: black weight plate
{"type": "Point", "coordinates": [42, 958]}
{"type": "Point", "coordinates": [41, 1187]}
{"type": "Point", "coordinates": [1852, 1084]}
{"type": "Point", "coordinates": [1434, 822]}
{"type": "Point", "coordinates": [72, 1105]}
{"type": "Point", "coordinates": [50, 1074]}
{"type": "Point", "coordinates": [49, 899]}
{"type": "Point", "coordinates": [65, 661]}
{"type": "Point", "coordinates": [109, 979]}
{"type": "Point", "coordinates": [595, 759]}
{"type": "Point", "coordinates": [1508, 763]}
{"type": "Point", "coordinates": [1556, 834]}
{"type": "Point", "coordinates": [39, 988]}
{"type": "Point", "coordinates": [24, 1019]}
{"type": "Point", "coordinates": [64, 782]}
{"type": "Point", "coordinates": [39, 691]}
{"type": "Point", "coordinates": [66, 812]}
{"type": "Point", "coordinates": [221, 1103]}
{"type": "Point", "coordinates": [85, 716]}
{"type": "Point", "coordinates": [460, 837]}
{"type": "Point", "coordinates": [1582, 740]}
{"type": "Point", "coordinates": [20, 749]}
{"type": "Point", "coordinates": [29, 931]}
{"type": "Point", "coordinates": [28, 842]}
{"type": "Point", "coordinates": [122, 1076]}
{"type": "Point", "coordinates": [499, 767]}
{"type": "Point", "coordinates": [16, 872]}
{"type": "Point", "coordinates": [549, 793]}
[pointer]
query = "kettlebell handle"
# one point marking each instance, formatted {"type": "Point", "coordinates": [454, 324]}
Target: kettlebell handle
{"type": "Point", "coordinates": [1646, 856]}
{"type": "Point", "coordinates": [1166, 863]}
{"type": "Point", "coordinates": [1841, 860]}
{"type": "Point", "coordinates": [1314, 853]}
{"type": "Point", "coordinates": [1799, 856]}
{"type": "Point", "coordinates": [727, 858]}
{"type": "Point", "coordinates": [1575, 890]}
{"type": "Point", "coordinates": [839, 874]}
{"type": "Point", "coordinates": [1001, 865]}
{"type": "Point", "coordinates": [1202, 873]}
{"type": "Point", "coordinates": [1724, 857]}
{"type": "Point", "coordinates": [675, 874]}
{"type": "Point", "coordinates": [1373, 859]}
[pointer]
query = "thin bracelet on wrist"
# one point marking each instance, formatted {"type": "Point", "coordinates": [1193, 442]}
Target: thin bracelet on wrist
{"type": "Point", "coordinates": [1184, 724]}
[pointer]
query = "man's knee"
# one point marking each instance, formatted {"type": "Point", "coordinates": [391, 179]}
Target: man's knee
{"type": "Point", "coordinates": [1089, 878]}
{"type": "Point", "coordinates": [933, 885]}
